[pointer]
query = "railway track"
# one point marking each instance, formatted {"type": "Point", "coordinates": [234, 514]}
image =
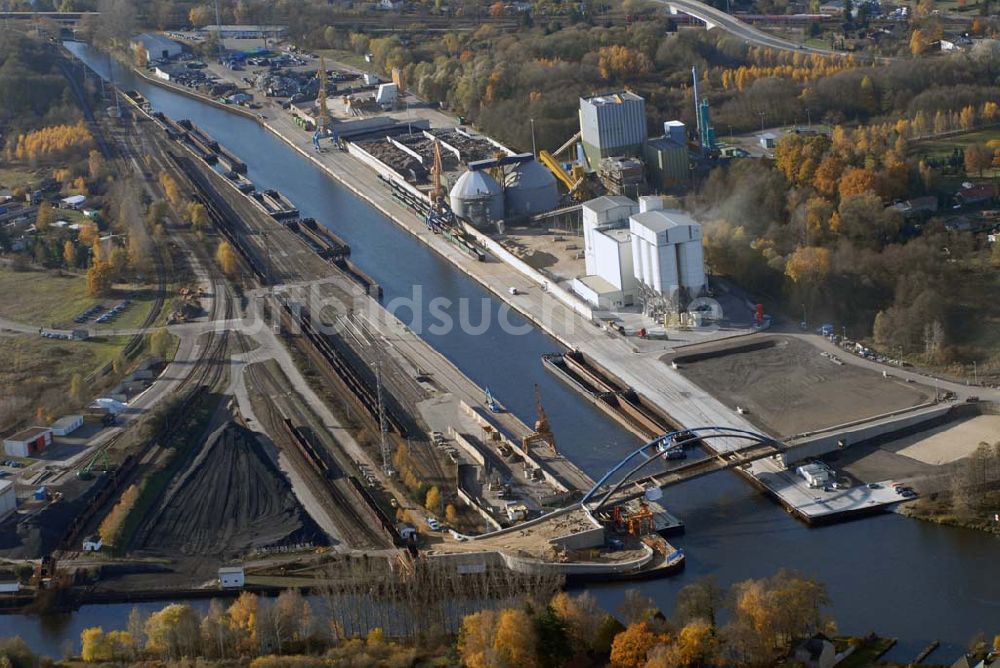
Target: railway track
{"type": "Point", "coordinates": [125, 153]}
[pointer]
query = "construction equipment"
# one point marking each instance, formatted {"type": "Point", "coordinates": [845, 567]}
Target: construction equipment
{"type": "Point", "coordinates": [634, 522]}
{"type": "Point", "coordinates": [324, 127]}
{"type": "Point", "coordinates": [439, 215]}
{"type": "Point", "coordinates": [491, 403]}
{"type": "Point", "coordinates": [569, 142]}
{"type": "Point", "coordinates": [86, 472]}
{"type": "Point", "coordinates": [575, 183]}
{"type": "Point", "coordinates": [543, 429]}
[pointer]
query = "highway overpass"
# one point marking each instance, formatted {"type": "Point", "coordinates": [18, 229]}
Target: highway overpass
{"type": "Point", "coordinates": [715, 18]}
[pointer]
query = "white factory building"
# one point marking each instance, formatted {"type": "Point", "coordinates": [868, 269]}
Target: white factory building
{"type": "Point", "coordinates": [635, 251]}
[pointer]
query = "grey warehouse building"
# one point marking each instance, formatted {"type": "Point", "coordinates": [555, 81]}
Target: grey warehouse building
{"type": "Point", "coordinates": [611, 125]}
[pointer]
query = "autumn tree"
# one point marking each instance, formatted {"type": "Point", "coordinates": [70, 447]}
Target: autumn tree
{"type": "Point", "coordinates": [140, 57]}
{"type": "Point", "coordinates": [111, 526]}
{"type": "Point", "coordinates": [95, 164]}
{"type": "Point", "coordinates": [515, 642]}
{"type": "Point", "coordinates": [978, 157]}
{"type": "Point", "coordinates": [856, 180]}
{"type": "Point", "coordinates": [808, 264]}
{"type": "Point", "coordinates": [100, 277]}
{"type": "Point", "coordinates": [695, 645]}
{"type": "Point", "coordinates": [94, 645]}
{"type": "Point", "coordinates": [217, 634]}
{"type": "Point", "coordinates": [76, 388]}
{"type": "Point", "coordinates": [170, 188]}
{"type": "Point", "coordinates": [69, 254]}
{"type": "Point", "coordinates": [581, 615]}
{"type": "Point", "coordinates": [475, 639]}
{"type": "Point", "coordinates": [243, 621]}
{"type": "Point", "coordinates": [119, 261]}
{"type": "Point", "coordinates": [450, 514]}
{"type": "Point", "coordinates": [173, 632]}
{"type": "Point", "coordinates": [432, 502]}
{"type": "Point", "coordinates": [618, 62]}
{"type": "Point", "coordinates": [45, 217]}
{"type": "Point", "coordinates": [631, 647]}
{"type": "Point", "coordinates": [197, 216]}
{"type": "Point", "coordinates": [919, 43]}
{"type": "Point", "coordinates": [226, 257]}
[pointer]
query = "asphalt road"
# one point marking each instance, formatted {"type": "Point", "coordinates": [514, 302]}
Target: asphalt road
{"type": "Point", "coordinates": [734, 26]}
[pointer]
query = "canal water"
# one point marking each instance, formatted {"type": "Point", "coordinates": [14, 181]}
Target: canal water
{"type": "Point", "coordinates": [914, 581]}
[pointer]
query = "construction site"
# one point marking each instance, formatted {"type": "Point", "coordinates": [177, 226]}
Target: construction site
{"type": "Point", "coordinates": [788, 387]}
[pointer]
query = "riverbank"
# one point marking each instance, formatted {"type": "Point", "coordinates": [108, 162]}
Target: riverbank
{"type": "Point", "coordinates": [938, 509]}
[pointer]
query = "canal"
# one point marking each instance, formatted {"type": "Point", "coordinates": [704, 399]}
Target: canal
{"type": "Point", "coordinates": [914, 581]}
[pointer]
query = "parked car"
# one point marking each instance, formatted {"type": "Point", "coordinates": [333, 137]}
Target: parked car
{"type": "Point", "coordinates": [433, 524]}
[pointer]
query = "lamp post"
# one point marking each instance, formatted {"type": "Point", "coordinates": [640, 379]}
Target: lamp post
{"type": "Point", "coordinates": [534, 150]}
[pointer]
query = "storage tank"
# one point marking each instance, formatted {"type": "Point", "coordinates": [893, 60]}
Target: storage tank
{"type": "Point", "coordinates": [478, 198]}
{"type": "Point", "coordinates": [531, 189]}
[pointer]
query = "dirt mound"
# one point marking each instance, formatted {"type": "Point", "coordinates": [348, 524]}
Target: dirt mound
{"type": "Point", "coordinates": [233, 500]}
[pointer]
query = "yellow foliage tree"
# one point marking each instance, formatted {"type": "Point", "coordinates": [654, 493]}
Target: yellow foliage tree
{"type": "Point", "coordinates": [475, 639]}
{"type": "Point", "coordinates": [919, 43]}
{"type": "Point", "coordinates": [450, 514]}
{"type": "Point", "coordinates": [515, 642]}
{"type": "Point", "coordinates": [100, 276]}
{"type": "Point", "coordinates": [226, 257]}
{"type": "Point", "coordinates": [69, 254]}
{"type": "Point", "coordinates": [808, 264]}
{"type": "Point", "coordinates": [112, 524]}
{"type": "Point", "coordinates": [94, 645]}
{"type": "Point", "coordinates": [616, 62]}
{"type": "Point", "coordinates": [856, 180]}
{"type": "Point", "coordinates": [53, 143]}
{"type": "Point", "coordinates": [631, 647]}
{"type": "Point", "coordinates": [432, 501]}
{"type": "Point", "coordinates": [243, 618]}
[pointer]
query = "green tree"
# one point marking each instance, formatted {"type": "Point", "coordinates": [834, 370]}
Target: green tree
{"type": "Point", "coordinates": [160, 343]}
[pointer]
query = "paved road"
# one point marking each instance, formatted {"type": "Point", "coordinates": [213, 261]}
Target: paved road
{"type": "Point", "coordinates": [734, 26]}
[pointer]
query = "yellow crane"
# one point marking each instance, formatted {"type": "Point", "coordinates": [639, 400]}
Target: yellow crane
{"type": "Point", "coordinates": [574, 182]}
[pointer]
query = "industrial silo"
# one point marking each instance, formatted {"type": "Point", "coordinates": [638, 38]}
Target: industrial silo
{"type": "Point", "coordinates": [478, 198]}
{"type": "Point", "coordinates": [531, 189]}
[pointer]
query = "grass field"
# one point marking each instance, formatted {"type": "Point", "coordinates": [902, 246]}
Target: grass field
{"type": "Point", "coordinates": [47, 299]}
{"type": "Point", "coordinates": [36, 371]}
{"type": "Point", "coordinates": [14, 176]}
{"type": "Point", "coordinates": [350, 58]}
{"type": "Point", "coordinates": [42, 298]}
{"type": "Point", "coordinates": [943, 148]}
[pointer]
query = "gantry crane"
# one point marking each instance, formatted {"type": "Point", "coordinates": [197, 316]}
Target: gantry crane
{"type": "Point", "coordinates": [543, 428]}
{"type": "Point", "coordinates": [439, 214]}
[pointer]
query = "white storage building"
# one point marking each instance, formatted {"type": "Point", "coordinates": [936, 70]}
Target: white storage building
{"type": "Point", "coordinates": [8, 498]}
{"type": "Point", "coordinates": [601, 213]}
{"type": "Point", "coordinates": [667, 254]}
{"type": "Point", "coordinates": [232, 577]}
{"type": "Point", "coordinates": [634, 248]}
{"type": "Point", "coordinates": [65, 426]}
{"type": "Point", "coordinates": [28, 442]}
